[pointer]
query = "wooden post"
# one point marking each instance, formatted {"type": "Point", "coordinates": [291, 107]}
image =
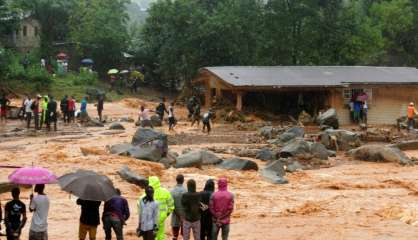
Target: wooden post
{"type": "Point", "coordinates": [218, 92]}
{"type": "Point", "coordinates": [239, 101]}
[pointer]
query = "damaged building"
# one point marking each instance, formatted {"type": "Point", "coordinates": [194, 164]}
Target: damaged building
{"type": "Point", "coordinates": [293, 89]}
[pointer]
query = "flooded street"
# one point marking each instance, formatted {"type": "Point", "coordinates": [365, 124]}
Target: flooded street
{"type": "Point", "coordinates": [347, 200]}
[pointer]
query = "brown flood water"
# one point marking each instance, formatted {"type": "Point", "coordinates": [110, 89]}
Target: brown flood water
{"type": "Point", "coordinates": [348, 200]}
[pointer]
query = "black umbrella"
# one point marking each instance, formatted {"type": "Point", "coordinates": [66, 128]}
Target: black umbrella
{"type": "Point", "coordinates": [88, 185]}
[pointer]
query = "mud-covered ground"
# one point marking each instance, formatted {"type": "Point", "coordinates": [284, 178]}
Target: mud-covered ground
{"type": "Point", "coordinates": [347, 200]}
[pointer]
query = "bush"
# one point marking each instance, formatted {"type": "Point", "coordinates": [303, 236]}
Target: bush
{"type": "Point", "coordinates": [86, 78]}
{"type": "Point", "coordinates": [39, 76]}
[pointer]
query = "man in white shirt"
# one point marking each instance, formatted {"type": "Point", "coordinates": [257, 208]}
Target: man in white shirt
{"type": "Point", "coordinates": [145, 118]}
{"type": "Point", "coordinates": [39, 205]}
{"type": "Point", "coordinates": [28, 110]}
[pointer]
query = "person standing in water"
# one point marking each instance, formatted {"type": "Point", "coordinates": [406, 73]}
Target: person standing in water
{"type": "Point", "coordinates": [100, 104]}
{"type": "Point", "coordinates": [171, 117]}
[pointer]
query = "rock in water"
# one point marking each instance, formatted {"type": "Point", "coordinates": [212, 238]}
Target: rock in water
{"type": "Point", "coordinates": [379, 153]}
{"type": "Point", "coordinates": [294, 166]}
{"type": "Point", "coordinates": [318, 150]}
{"type": "Point", "coordinates": [156, 121]}
{"type": "Point", "coordinates": [93, 122]}
{"type": "Point", "coordinates": [292, 133]}
{"type": "Point", "coordinates": [268, 132]}
{"type": "Point", "coordinates": [406, 145]}
{"type": "Point", "coordinates": [129, 176]}
{"type": "Point", "coordinates": [238, 164]}
{"type": "Point", "coordinates": [209, 158]}
{"type": "Point", "coordinates": [274, 172]}
{"type": "Point", "coordinates": [190, 159]}
{"type": "Point", "coordinates": [120, 149]}
{"type": "Point", "coordinates": [146, 152]}
{"type": "Point", "coordinates": [197, 158]}
{"type": "Point", "coordinates": [116, 126]}
{"type": "Point", "coordinates": [265, 155]}
{"type": "Point", "coordinates": [329, 118]}
{"type": "Point", "coordinates": [295, 148]}
{"type": "Point", "coordinates": [144, 135]}
{"type": "Point", "coordinates": [341, 139]}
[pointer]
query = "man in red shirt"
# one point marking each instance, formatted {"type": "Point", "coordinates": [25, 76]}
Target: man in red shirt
{"type": "Point", "coordinates": [71, 109]}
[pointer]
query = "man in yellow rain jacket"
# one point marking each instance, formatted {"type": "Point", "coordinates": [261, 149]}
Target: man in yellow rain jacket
{"type": "Point", "coordinates": [165, 202]}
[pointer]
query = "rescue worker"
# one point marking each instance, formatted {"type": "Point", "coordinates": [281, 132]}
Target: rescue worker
{"type": "Point", "coordinates": [411, 114]}
{"type": "Point", "coordinates": [44, 109]}
{"type": "Point", "coordinates": [165, 202]}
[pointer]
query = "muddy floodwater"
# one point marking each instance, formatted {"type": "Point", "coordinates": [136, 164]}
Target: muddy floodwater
{"type": "Point", "coordinates": [346, 200]}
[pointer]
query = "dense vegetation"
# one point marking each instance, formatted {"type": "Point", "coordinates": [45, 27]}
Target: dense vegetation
{"type": "Point", "coordinates": [180, 36]}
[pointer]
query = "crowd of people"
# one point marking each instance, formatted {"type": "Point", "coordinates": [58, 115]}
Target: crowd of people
{"type": "Point", "coordinates": [44, 110]}
{"type": "Point", "coordinates": [193, 106]}
{"type": "Point", "coordinates": [204, 213]}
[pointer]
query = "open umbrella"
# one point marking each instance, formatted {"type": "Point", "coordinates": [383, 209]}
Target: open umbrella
{"type": "Point", "coordinates": [87, 61]}
{"type": "Point", "coordinates": [88, 185]}
{"type": "Point", "coordinates": [61, 55]}
{"type": "Point", "coordinates": [113, 71]}
{"type": "Point", "coordinates": [32, 175]}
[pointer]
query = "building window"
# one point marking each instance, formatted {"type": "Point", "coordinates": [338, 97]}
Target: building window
{"type": "Point", "coordinates": [349, 93]}
{"type": "Point", "coordinates": [36, 31]}
{"type": "Point", "coordinates": [25, 31]}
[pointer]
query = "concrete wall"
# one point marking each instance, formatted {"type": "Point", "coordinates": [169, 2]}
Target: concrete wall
{"type": "Point", "coordinates": [31, 40]}
{"type": "Point", "coordinates": [386, 105]}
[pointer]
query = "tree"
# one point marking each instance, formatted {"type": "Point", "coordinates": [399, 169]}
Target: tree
{"type": "Point", "coordinates": [99, 28]}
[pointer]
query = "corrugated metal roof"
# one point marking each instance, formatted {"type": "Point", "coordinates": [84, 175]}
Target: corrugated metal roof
{"type": "Point", "coordinates": [314, 76]}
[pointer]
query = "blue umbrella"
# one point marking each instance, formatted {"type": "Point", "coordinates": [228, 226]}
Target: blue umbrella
{"type": "Point", "coordinates": [87, 61]}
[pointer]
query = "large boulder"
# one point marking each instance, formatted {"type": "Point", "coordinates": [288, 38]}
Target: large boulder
{"type": "Point", "coordinates": [329, 118]}
{"type": "Point", "coordinates": [116, 126]}
{"type": "Point", "coordinates": [209, 158]}
{"type": "Point", "coordinates": [292, 133]}
{"type": "Point", "coordinates": [156, 121]}
{"type": "Point", "coordinates": [296, 148]}
{"type": "Point", "coordinates": [341, 140]}
{"type": "Point", "coordinates": [294, 166]}
{"type": "Point", "coordinates": [126, 174]}
{"type": "Point", "coordinates": [197, 158]}
{"type": "Point", "coordinates": [144, 135]}
{"type": "Point", "coordinates": [189, 159]}
{"type": "Point", "coordinates": [406, 145]}
{"type": "Point", "coordinates": [120, 149]}
{"type": "Point", "coordinates": [238, 164]}
{"type": "Point", "coordinates": [318, 150]}
{"type": "Point", "coordinates": [275, 172]}
{"type": "Point", "coordinates": [146, 152]}
{"type": "Point", "coordinates": [268, 132]}
{"type": "Point", "coordinates": [380, 153]}
{"type": "Point", "coordinates": [265, 155]}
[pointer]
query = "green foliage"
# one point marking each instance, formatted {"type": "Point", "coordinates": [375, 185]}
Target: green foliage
{"type": "Point", "coordinates": [99, 28]}
{"type": "Point", "coordinates": [181, 36]}
{"type": "Point", "coordinates": [86, 78]}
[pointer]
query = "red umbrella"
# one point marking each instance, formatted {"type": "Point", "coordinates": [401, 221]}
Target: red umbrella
{"type": "Point", "coordinates": [61, 55]}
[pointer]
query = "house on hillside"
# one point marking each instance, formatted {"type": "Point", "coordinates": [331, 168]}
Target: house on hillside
{"type": "Point", "coordinates": [291, 89]}
{"type": "Point", "coordinates": [26, 37]}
